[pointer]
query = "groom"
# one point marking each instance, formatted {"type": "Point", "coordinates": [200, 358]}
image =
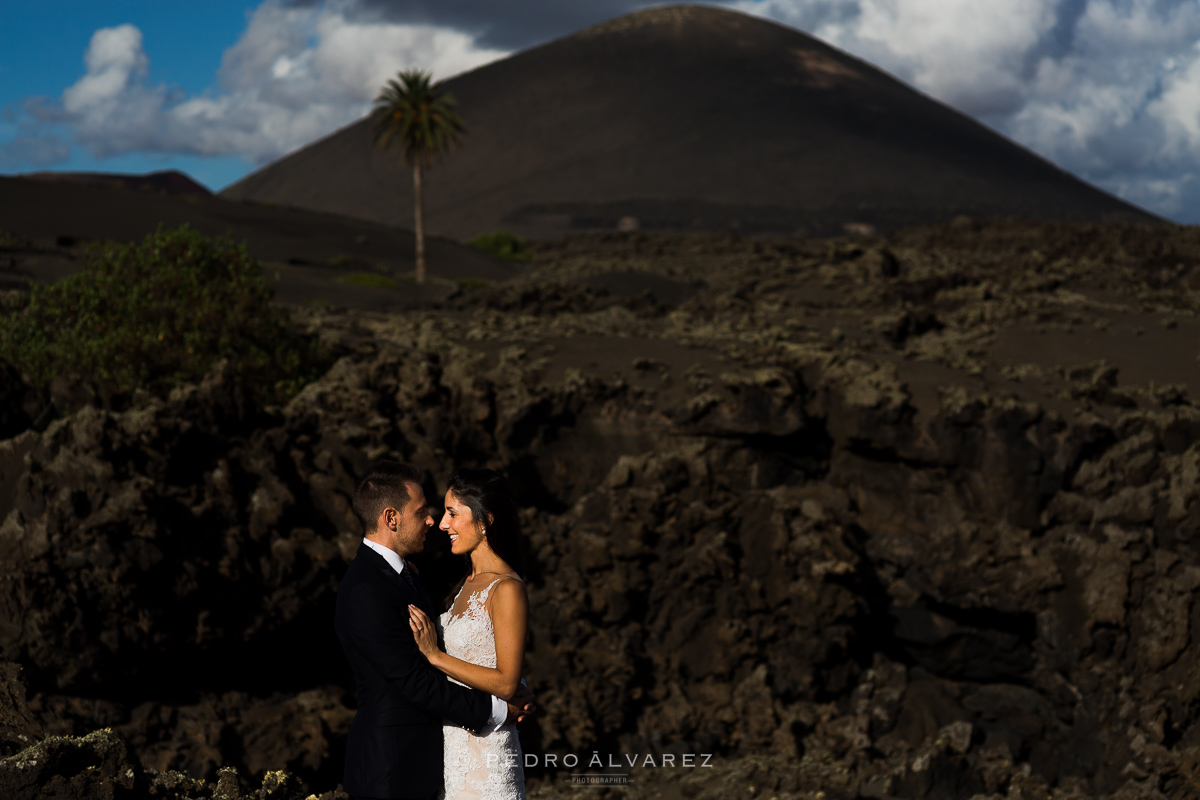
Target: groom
{"type": "Point", "coordinates": [395, 745]}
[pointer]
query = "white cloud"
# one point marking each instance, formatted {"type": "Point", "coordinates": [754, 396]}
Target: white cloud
{"type": "Point", "coordinates": [115, 62]}
{"type": "Point", "coordinates": [1109, 89]}
{"type": "Point", "coordinates": [114, 111]}
{"type": "Point", "coordinates": [1177, 108]}
{"type": "Point", "coordinates": [967, 53]}
{"type": "Point", "coordinates": [294, 75]}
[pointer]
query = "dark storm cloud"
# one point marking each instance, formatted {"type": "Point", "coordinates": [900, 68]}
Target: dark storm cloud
{"type": "Point", "coordinates": [1058, 42]}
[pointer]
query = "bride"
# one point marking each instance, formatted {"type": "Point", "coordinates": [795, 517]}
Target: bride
{"type": "Point", "coordinates": [483, 630]}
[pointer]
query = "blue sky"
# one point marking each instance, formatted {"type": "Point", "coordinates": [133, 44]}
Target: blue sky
{"type": "Point", "coordinates": [1107, 89]}
{"type": "Point", "coordinates": [42, 44]}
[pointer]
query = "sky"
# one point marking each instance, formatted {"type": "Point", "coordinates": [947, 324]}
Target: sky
{"type": "Point", "coordinates": [1106, 89]}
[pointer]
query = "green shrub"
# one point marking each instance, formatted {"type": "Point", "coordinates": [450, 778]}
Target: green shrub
{"type": "Point", "coordinates": [11, 241]}
{"type": "Point", "coordinates": [155, 314]}
{"type": "Point", "coordinates": [503, 244]}
{"type": "Point", "coordinates": [372, 280]}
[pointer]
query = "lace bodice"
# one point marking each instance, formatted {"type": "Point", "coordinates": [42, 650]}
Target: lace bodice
{"type": "Point", "coordinates": [486, 767]}
{"type": "Point", "coordinates": [470, 635]}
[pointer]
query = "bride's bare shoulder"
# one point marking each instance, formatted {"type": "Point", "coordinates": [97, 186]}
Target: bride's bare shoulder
{"type": "Point", "coordinates": [509, 591]}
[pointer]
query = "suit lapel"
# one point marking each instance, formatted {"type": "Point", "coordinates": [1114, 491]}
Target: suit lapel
{"type": "Point", "coordinates": [422, 599]}
{"type": "Point", "coordinates": [418, 598]}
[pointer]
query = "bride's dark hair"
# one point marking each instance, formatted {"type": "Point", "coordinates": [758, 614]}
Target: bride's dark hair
{"type": "Point", "coordinates": [492, 505]}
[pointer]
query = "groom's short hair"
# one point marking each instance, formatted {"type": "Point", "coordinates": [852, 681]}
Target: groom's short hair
{"type": "Point", "coordinates": [384, 485]}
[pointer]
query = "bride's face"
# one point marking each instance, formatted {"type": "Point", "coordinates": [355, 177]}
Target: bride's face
{"type": "Point", "coordinates": [458, 522]}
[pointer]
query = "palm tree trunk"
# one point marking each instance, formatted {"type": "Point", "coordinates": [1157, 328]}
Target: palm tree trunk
{"type": "Point", "coordinates": [419, 221]}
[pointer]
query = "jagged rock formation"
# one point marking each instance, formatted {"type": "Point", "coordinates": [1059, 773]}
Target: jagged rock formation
{"type": "Point", "coordinates": [34, 766]}
{"type": "Point", "coordinates": [19, 728]}
{"type": "Point", "coordinates": [824, 503]}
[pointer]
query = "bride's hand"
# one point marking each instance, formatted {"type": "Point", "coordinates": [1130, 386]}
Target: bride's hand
{"type": "Point", "coordinates": [424, 632]}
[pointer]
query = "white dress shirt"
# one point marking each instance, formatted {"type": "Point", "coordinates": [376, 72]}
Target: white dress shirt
{"type": "Point", "coordinates": [499, 707]}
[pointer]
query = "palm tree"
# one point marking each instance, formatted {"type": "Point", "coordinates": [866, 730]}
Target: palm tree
{"type": "Point", "coordinates": [417, 116]}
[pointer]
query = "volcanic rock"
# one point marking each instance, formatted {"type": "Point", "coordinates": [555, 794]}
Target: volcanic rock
{"type": "Point", "coordinates": [97, 767]}
{"type": "Point", "coordinates": [93, 766]}
{"type": "Point", "coordinates": [759, 525]}
{"type": "Point", "coordinates": [18, 726]}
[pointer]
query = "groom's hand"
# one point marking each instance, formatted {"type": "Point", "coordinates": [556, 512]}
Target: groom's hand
{"type": "Point", "coordinates": [522, 705]}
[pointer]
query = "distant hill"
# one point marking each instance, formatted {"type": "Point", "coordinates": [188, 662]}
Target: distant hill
{"type": "Point", "coordinates": [689, 118]}
{"type": "Point", "coordinates": [46, 225]}
{"type": "Point", "coordinates": [166, 182]}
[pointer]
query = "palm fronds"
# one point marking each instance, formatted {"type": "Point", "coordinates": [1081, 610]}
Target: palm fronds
{"type": "Point", "coordinates": [416, 116]}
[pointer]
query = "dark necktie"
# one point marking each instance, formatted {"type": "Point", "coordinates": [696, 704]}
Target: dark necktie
{"type": "Point", "coordinates": [407, 575]}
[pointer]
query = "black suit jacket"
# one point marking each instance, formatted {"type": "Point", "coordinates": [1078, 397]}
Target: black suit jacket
{"type": "Point", "coordinates": [395, 744]}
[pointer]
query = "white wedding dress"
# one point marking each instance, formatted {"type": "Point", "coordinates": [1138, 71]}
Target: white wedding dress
{"type": "Point", "coordinates": [478, 767]}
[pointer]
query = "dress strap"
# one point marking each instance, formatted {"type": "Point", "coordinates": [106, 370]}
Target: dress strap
{"type": "Point", "coordinates": [483, 596]}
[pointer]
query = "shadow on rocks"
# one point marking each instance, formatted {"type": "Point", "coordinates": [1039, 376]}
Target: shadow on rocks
{"type": "Point", "coordinates": [98, 765]}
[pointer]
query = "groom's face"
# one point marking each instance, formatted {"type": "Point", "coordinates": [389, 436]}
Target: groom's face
{"type": "Point", "coordinates": [412, 522]}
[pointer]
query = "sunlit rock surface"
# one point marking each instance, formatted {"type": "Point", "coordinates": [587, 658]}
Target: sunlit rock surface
{"type": "Point", "coordinates": [909, 516]}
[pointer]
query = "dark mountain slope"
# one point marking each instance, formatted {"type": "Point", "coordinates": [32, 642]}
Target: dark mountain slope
{"type": "Point", "coordinates": [689, 117]}
{"type": "Point", "coordinates": [312, 256]}
{"type": "Point", "coordinates": [170, 181]}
